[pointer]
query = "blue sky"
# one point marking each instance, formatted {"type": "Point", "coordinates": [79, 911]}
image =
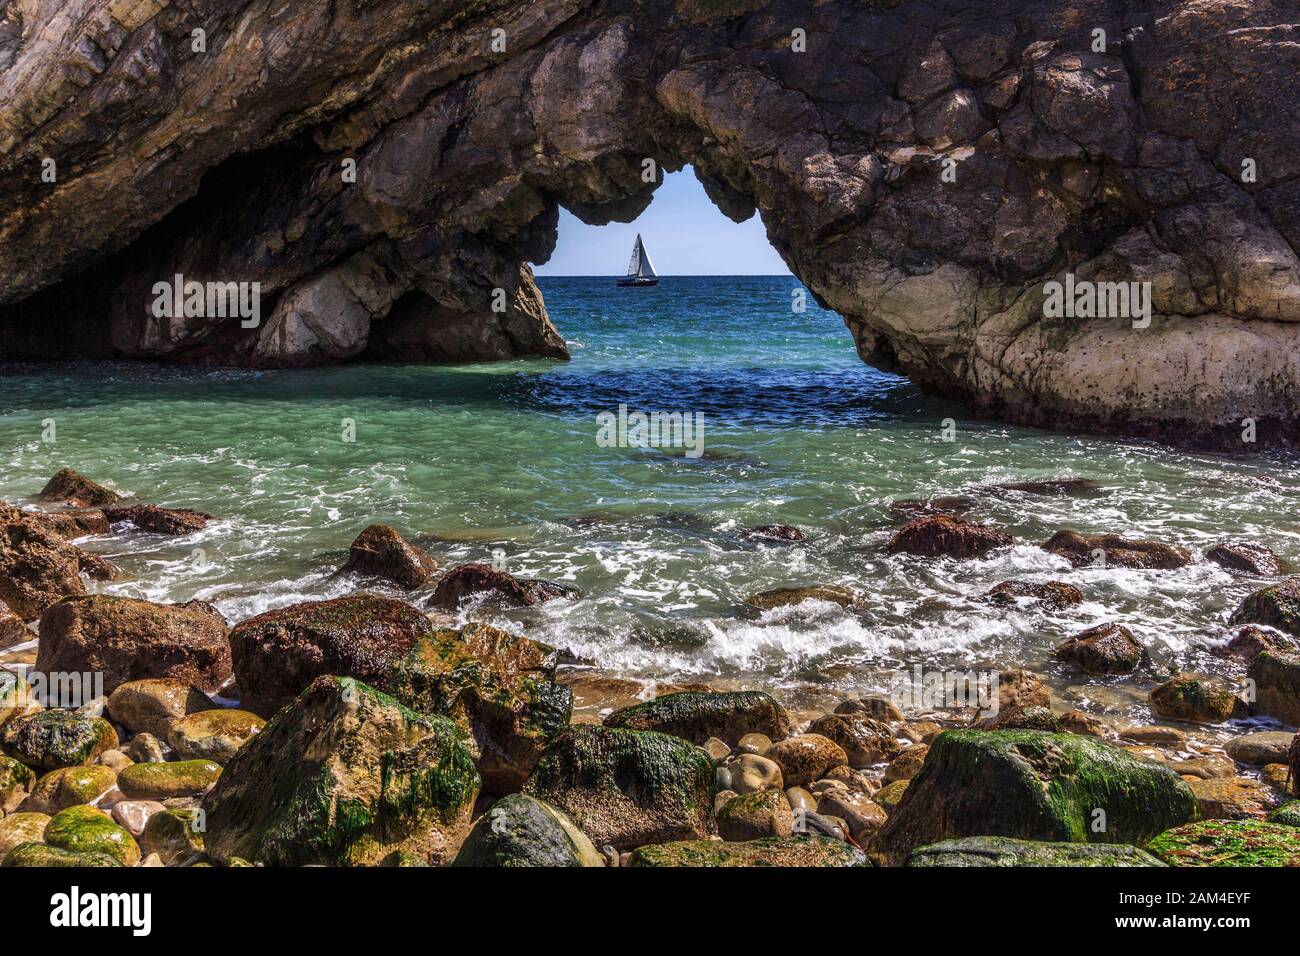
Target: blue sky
{"type": "Point", "coordinates": [684, 232]}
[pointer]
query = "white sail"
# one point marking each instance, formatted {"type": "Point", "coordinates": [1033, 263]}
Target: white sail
{"type": "Point", "coordinates": [634, 267]}
{"type": "Point", "coordinates": [647, 267]}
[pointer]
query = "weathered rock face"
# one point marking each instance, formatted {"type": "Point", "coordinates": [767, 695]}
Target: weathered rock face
{"type": "Point", "coordinates": [924, 167]}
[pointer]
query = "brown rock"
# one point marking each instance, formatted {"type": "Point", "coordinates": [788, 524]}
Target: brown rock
{"type": "Point", "coordinates": [12, 629]}
{"type": "Point", "coordinates": [1018, 691]}
{"type": "Point", "coordinates": [1196, 700]}
{"type": "Point", "coordinates": [865, 741]}
{"type": "Point", "coordinates": [805, 758]}
{"type": "Point", "coordinates": [1245, 558]}
{"type": "Point", "coordinates": [76, 490]}
{"type": "Point", "coordinates": [753, 816]}
{"type": "Point", "coordinates": [151, 518]}
{"type": "Point", "coordinates": [861, 814]}
{"type": "Point", "coordinates": [945, 536]}
{"type": "Point", "coordinates": [381, 552]}
{"type": "Point", "coordinates": [1051, 594]}
{"type": "Point", "coordinates": [1080, 550]}
{"type": "Point", "coordinates": [37, 566]}
{"type": "Point", "coordinates": [71, 525]}
{"type": "Point", "coordinates": [151, 705]}
{"type": "Point", "coordinates": [907, 764]}
{"type": "Point", "coordinates": [1250, 641]}
{"type": "Point", "coordinates": [877, 706]}
{"type": "Point", "coordinates": [1234, 798]}
{"type": "Point", "coordinates": [481, 582]}
{"type": "Point", "coordinates": [786, 597]}
{"type": "Point", "coordinates": [1105, 649]}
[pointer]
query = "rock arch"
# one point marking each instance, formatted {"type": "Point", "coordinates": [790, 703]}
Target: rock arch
{"type": "Point", "coordinates": [1120, 164]}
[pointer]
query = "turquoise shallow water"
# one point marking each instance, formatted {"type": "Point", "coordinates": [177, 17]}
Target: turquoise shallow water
{"type": "Point", "coordinates": [473, 461]}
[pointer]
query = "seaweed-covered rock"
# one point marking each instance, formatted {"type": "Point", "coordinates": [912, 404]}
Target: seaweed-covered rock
{"type": "Point", "coordinates": [1104, 649]}
{"type": "Point", "coordinates": [1275, 606]}
{"type": "Point", "coordinates": [1004, 851]}
{"type": "Point", "coordinates": [1228, 843]}
{"type": "Point", "coordinates": [16, 781]}
{"type": "Point", "coordinates": [57, 738]}
{"type": "Point", "coordinates": [487, 585]}
{"type": "Point", "coordinates": [753, 816]}
{"type": "Point", "coordinates": [946, 536]}
{"type": "Point", "coordinates": [19, 828]}
{"type": "Point", "coordinates": [698, 716]}
{"type": "Point", "coordinates": [173, 834]}
{"type": "Point", "coordinates": [84, 829]}
{"type": "Point", "coordinates": [279, 653]}
{"type": "Point", "coordinates": [151, 705]}
{"type": "Point", "coordinates": [800, 851]}
{"type": "Point", "coordinates": [1277, 684]}
{"type": "Point", "coordinates": [1036, 786]}
{"type": "Point", "coordinates": [1288, 814]}
{"type": "Point", "coordinates": [499, 688]}
{"type": "Point", "coordinates": [1115, 551]}
{"type": "Point", "coordinates": [1196, 700]}
{"type": "Point", "coordinates": [43, 856]}
{"type": "Point", "coordinates": [1047, 594]}
{"type": "Point", "coordinates": [1245, 558]}
{"type": "Point", "coordinates": [156, 520]}
{"type": "Point", "coordinates": [213, 734]}
{"type": "Point", "coordinates": [128, 639]}
{"type": "Point", "coordinates": [626, 788]}
{"type": "Point", "coordinates": [787, 597]}
{"type": "Point", "coordinates": [381, 552]}
{"type": "Point", "coordinates": [162, 781]}
{"type": "Point", "coordinates": [344, 775]}
{"type": "Point", "coordinates": [75, 490]}
{"type": "Point", "coordinates": [865, 741]}
{"type": "Point", "coordinates": [520, 831]}
{"type": "Point", "coordinates": [70, 786]}
{"type": "Point", "coordinates": [805, 758]}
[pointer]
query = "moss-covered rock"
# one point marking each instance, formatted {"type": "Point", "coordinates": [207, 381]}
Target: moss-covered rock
{"type": "Point", "coordinates": [214, 735]}
{"type": "Point", "coordinates": [344, 775]}
{"type": "Point", "coordinates": [521, 831]}
{"type": "Point", "coordinates": [16, 780]}
{"type": "Point", "coordinates": [173, 834]}
{"type": "Point", "coordinates": [1004, 851]}
{"type": "Point", "coordinates": [800, 851]}
{"type": "Point", "coordinates": [891, 795]}
{"type": "Point", "coordinates": [626, 788]}
{"type": "Point", "coordinates": [57, 738]}
{"type": "Point", "coordinates": [1228, 843]}
{"type": "Point", "coordinates": [163, 781]}
{"type": "Point", "coordinates": [43, 856]}
{"type": "Point", "coordinates": [1277, 684]}
{"type": "Point", "coordinates": [19, 828]}
{"type": "Point", "coordinates": [698, 716]}
{"type": "Point", "coordinates": [153, 704]}
{"type": "Point", "coordinates": [87, 830]}
{"type": "Point", "coordinates": [753, 816]}
{"type": "Point", "coordinates": [1275, 606]}
{"type": "Point", "coordinates": [499, 688]}
{"type": "Point", "coordinates": [1036, 786]}
{"type": "Point", "coordinates": [1197, 700]}
{"type": "Point", "coordinates": [1288, 814]}
{"type": "Point", "coordinates": [278, 654]}
{"type": "Point", "coordinates": [70, 786]}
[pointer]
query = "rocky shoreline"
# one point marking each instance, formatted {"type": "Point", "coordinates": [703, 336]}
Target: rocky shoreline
{"type": "Point", "coordinates": [367, 730]}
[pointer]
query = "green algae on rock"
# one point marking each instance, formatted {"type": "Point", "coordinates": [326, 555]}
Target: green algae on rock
{"type": "Point", "coordinates": [57, 738]}
{"type": "Point", "coordinates": [162, 781]}
{"type": "Point", "coordinates": [173, 834]}
{"type": "Point", "coordinates": [213, 734]}
{"type": "Point", "coordinates": [1288, 814]}
{"type": "Point", "coordinates": [1228, 843]}
{"type": "Point", "coordinates": [1275, 606]}
{"type": "Point", "coordinates": [1005, 851]}
{"type": "Point", "coordinates": [792, 851]}
{"type": "Point", "coordinates": [626, 788]}
{"type": "Point", "coordinates": [753, 816]}
{"type": "Point", "coordinates": [83, 829]}
{"type": "Point", "coordinates": [1034, 785]}
{"type": "Point", "coordinates": [70, 786]}
{"type": "Point", "coordinates": [344, 776]}
{"type": "Point", "coordinates": [521, 831]}
{"type": "Point", "coordinates": [1197, 700]}
{"type": "Point", "coordinates": [43, 855]}
{"type": "Point", "coordinates": [697, 716]}
{"type": "Point", "coordinates": [16, 780]}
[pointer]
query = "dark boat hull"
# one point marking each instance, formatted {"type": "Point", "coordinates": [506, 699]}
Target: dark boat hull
{"type": "Point", "coordinates": [637, 282]}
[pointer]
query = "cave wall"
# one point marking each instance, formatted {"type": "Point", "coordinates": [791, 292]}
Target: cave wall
{"type": "Point", "coordinates": [924, 167]}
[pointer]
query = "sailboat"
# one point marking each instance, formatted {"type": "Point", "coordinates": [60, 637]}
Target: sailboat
{"type": "Point", "coordinates": [640, 271]}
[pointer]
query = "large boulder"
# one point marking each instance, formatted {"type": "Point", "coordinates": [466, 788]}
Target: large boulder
{"type": "Point", "coordinates": [626, 788]}
{"type": "Point", "coordinates": [126, 639]}
{"type": "Point", "coordinates": [151, 705]}
{"type": "Point", "coordinates": [1245, 558]}
{"type": "Point", "coordinates": [75, 490]}
{"type": "Point", "coordinates": [37, 566]}
{"type": "Point", "coordinates": [499, 688]}
{"type": "Point", "coordinates": [1035, 786]}
{"type": "Point", "coordinates": [864, 740]}
{"type": "Point", "coordinates": [277, 654]}
{"type": "Point", "coordinates": [156, 520]}
{"type": "Point", "coordinates": [520, 831]}
{"type": "Point", "coordinates": [1115, 551]}
{"type": "Point", "coordinates": [944, 535]}
{"type": "Point", "coordinates": [1228, 843]}
{"type": "Point", "coordinates": [1004, 851]}
{"type": "Point", "coordinates": [53, 739]}
{"type": "Point", "coordinates": [697, 716]}
{"type": "Point", "coordinates": [12, 629]}
{"type": "Point", "coordinates": [1195, 700]}
{"type": "Point", "coordinates": [1275, 606]}
{"type": "Point", "coordinates": [795, 851]}
{"type": "Point", "coordinates": [344, 776]}
{"type": "Point", "coordinates": [381, 552]}
{"type": "Point", "coordinates": [1104, 649]}
{"type": "Point", "coordinates": [1277, 684]}
{"type": "Point", "coordinates": [485, 585]}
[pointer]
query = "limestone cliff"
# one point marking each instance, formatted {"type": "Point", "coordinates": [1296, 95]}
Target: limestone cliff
{"type": "Point", "coordinates": [924, 167]}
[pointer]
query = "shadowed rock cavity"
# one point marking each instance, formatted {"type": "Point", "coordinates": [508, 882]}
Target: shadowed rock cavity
{"type": "Point", "coordinates": [230, 165]}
